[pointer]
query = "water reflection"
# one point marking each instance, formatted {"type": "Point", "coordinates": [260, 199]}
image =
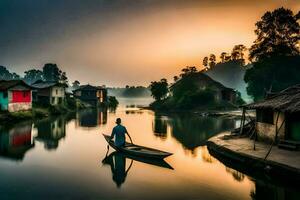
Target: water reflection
{"type": "Point", "coordinates": [16, 141]}
{"type": "Point", "coordinates": [190, 130]}
{"type": "Point", "coordinates": [51, 131]}
{"type": "Point", "coordinates": [117, 163]}
{"type": "Point", "coordinates": [90, 118]}
{"type": "Point", "coordinates": [75, 163]}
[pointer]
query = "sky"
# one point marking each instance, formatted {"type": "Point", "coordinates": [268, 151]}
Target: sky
{"type": "Point", "coordinates": [125, 42]}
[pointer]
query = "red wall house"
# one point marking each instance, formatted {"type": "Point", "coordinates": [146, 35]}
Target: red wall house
{"type": "Point", "coordinates": [21, 96]}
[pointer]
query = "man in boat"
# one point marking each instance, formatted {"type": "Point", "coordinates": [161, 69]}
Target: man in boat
{"type": "Point", "coordinates": [118, 133]}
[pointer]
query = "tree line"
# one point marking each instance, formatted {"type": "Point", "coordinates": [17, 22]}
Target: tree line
{"type": "Point", "coordinates": [274, 56]}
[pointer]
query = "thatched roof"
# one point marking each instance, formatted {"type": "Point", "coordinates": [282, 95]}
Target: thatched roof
{"type": "Point", "coordinates": [288, 100]}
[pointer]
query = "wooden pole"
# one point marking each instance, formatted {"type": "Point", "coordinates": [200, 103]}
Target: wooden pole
{"type": "Point", "coordinates": [242, 121]}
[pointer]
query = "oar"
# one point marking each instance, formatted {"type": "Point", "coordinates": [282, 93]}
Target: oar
{"type": "Point", "coordinates": [130, 138]}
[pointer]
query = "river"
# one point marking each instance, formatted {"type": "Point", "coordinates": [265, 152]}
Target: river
{"type": "Point", "coordinates": [65, 158]}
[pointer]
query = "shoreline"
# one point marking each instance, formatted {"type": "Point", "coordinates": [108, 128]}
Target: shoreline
{"type": "Point", "coordinates": [282, 166]}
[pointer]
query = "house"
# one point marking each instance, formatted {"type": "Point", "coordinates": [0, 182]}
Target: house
{"type": "Point", "coordinates": [203, 82]}
{"type": "Point", "coordinates": [15, 95]}
{"type": "Point", "coordinates": [49, 93]}
{"type": "Point", "coordinates": [91, 94]}
{"type": "Point", "coordinates": [278, 116]}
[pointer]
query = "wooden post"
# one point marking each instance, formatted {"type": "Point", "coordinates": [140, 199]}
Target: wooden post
{"type": "Point", "coordinates": [242, 121]}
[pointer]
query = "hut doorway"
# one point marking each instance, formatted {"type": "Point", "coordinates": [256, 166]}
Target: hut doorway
{"type": "Point", "coordinates": [293, 127]}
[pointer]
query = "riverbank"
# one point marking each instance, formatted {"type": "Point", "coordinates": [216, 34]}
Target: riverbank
{"type": "Point", "coordinates": [281, 165]}
{"type": "Point", "coordinates": [39, 112]}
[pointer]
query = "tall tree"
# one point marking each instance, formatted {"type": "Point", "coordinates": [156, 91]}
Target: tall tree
{"type": "Point", "coordinates": [212, 60]}
{"type": "Point", "coordinates": [33, 75]}
{"type": "Point", "coordinates": [205, 62]}
{"type": "Point", "coordinates": [275, 55]}
{"type": "Point", "coordinates": [223, 57]}
{"type": "Point", "coordinates": [238, 52]}
{"type": "Point", "coordinates": [277, 35]}
{"type": "Point", "coordinates": [51, 72]}
{"type": "Point", "coordinates": [159, 89]}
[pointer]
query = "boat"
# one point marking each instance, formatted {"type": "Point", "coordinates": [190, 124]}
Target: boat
{"type": "Point", "coordinates": [136, 150]}
{"type": "Point", "coordinates": [156, 162]}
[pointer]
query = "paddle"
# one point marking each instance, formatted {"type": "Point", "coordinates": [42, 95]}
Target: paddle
{"type": "Point", "coordinates": [130, 138]}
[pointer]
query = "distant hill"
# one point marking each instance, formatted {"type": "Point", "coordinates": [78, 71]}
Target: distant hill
{"type": "Point", "coordinates": [231, 74]}
{"type": "Point", "coordinates": [132, 91]}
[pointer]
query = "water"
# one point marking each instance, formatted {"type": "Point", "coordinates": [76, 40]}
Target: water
{"type": "Point", "coordinates": [65, 157]}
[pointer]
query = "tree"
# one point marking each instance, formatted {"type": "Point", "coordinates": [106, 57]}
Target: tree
{"type": "Point", "coordinates": [238, 52]}
{"type": "Point", "coordinates": [205, 62]}
{"type": "Point", "coordinates": [51, 72]}
{"type": "Point", "coordinates": [277, 35]}
{"type": "Point", "coordinates": [188, 70]}
{"type": "Point", "coordinates": [33, 75]}
{"type": "Point", "coordinates": [175, 78]}
{"type": "Point", "coordinates": [275, 55]}
{"type": "Point", "coordinates": [75, 84]}
{"type": "Point", "coordinates": [159, 89]}
{"type": "Point", "coordinates": [212, 60]}
{"type": "Point", "coordinates": [223, 57]}
{"type": "Point", "coordinates": [272, 75]}
{"type": "Point", "coordinates": [6, 75]}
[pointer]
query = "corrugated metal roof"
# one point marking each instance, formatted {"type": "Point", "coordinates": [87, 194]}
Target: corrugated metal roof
{"type": "Point", "coordinates": [5, 85]}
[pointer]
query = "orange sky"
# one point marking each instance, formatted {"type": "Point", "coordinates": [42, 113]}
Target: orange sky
{"type": "Point", "coordinates": [140, 42]}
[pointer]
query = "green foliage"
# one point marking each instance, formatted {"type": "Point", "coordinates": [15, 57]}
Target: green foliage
{"type": "Point", "coordinates": [159, 90]}
{"type": "Point", "coordinates": [7, 75]}
{"type": "Point", "coordinates": [277, 35]}
{"type": "Point", "coordinates": [275, 54]}
{"type": "Point", "coordinates": [33, 75]}
{"type": "Point", "coordinates": [51, 72]}
{"type": "Point", "coordinates": [195, 99]}
{"type": "Point", "coordinates": [272, 75]}
{"type": "Point", "coordinates": [112, 102]}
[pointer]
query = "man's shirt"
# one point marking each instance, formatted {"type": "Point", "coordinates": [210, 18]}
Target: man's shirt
{"type": "Point", "coordinates": [119, 132]}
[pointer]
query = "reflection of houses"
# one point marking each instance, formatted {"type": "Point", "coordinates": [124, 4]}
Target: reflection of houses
{"type": "Point", "coordinates": [278, 117]}
{"type": "Point", "coordinates": [15, 95]}
{"type": "Point", "coordinates": [203, 82]}
{"type": "Point", "coordinates": [91, 117]}
{"type": "Point", "coordinates": [15, 142]}
{"type": "Point", "coordinates": [92, 95]}
{"type": "Point", "coordinates": [51, 131]}
{"type": "Point", "coordinates": [49, 92]}
{"type": "Point", "coordinates": [160, 126]}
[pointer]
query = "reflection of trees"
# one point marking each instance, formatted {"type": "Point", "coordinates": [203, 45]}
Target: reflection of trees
{"type": "Point", "coordinates": [160, 126]}
{"type": "Point", "coordinates": [50, 131]}
{"type": "Point", "coordinates": [91, 117]}
{"type": "Point", "coordinates": [238, 176]}
{"type": "Point", "coordinates": [206, 157]}
{"type": "Point", "coordinates": [16, 141]}
{"type": "Point", "coordinates": [269, 191]}
{"type": "Point", "coordinates": [193, 131]}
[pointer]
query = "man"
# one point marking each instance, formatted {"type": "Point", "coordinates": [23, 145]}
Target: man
{"type": "Point", "coordinates": [118, 133]}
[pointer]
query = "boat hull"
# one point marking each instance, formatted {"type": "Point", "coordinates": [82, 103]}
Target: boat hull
{"type": "Point", "coordinates": [136, 150]}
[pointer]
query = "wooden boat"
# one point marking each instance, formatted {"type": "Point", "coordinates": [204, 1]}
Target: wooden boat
{"type": "Point", "coordinates": [156, 162]}
{"type": "Point", "coordinates": [136, 150]}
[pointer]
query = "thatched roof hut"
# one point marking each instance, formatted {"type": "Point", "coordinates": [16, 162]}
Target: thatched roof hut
{"type": "Point", "coordinates": [287, 101]}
